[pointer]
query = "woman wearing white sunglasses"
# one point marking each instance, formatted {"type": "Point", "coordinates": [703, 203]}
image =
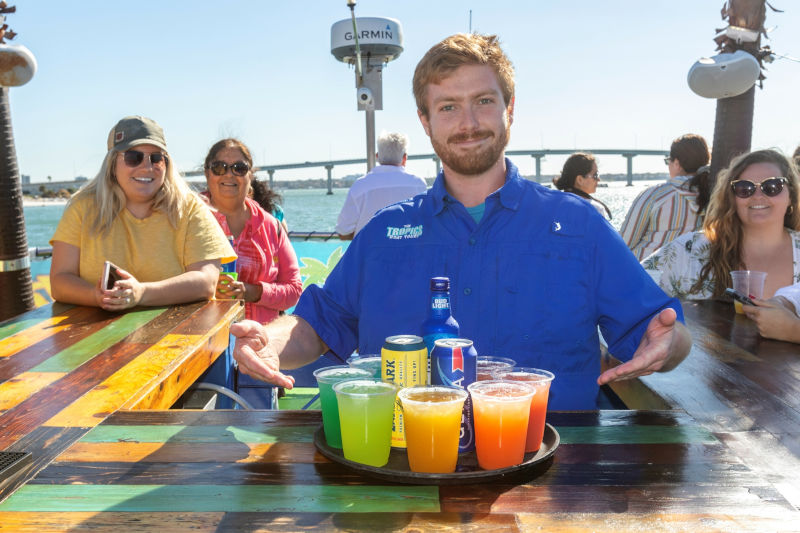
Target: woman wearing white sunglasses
{"type": "Point", "coordinates": [138, 214]}
{"type": "Point", "coordinates": [752, 224]}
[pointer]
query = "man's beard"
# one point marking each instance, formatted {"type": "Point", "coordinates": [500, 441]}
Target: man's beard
{"type": "Point", "coordinates": [478, 161]}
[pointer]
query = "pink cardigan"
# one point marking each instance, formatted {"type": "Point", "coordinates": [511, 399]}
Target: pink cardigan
{"type": "Point", "coordinates": [266, 257]}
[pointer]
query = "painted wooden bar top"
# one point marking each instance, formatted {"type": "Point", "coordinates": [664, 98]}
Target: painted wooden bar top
{"type": "Point", "coordinates": [64, 369]}
{"type": "Point", "coordinates": [259, 470]}
{"type": "Point", "coordinates": [743, 388]}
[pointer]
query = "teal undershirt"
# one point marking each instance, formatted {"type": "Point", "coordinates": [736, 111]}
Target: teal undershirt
{"type": "Point", "coordinates": [476, 212]}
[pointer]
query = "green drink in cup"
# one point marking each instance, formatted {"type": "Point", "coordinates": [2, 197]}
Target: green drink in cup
{"type": "Point", "coordinates": [326, 378]}
{"type": "Point", "coordinates": [370, 363]}
{"type": "Point", "coordinates": [366, 412]}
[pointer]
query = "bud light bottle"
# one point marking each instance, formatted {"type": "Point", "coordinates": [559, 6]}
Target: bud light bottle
{"type": "Point", "coordinates": [440, 323]}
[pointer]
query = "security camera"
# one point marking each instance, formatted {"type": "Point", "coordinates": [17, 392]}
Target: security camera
{"type": "Point", "coordinates": [364, 96]}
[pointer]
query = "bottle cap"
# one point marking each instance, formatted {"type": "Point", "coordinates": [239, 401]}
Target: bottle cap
{"type": "Point", "coordinates": [440, 284]}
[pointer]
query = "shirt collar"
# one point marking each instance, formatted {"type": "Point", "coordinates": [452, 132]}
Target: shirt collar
{"type": "Point", "coordinates": [509, 193]}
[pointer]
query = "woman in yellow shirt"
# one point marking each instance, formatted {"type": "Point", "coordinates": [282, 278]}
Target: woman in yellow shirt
{"type": "Point", "coordinates": [140, 215]}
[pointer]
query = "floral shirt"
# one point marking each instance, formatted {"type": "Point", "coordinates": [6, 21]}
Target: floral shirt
{"type": "Point", "coordinates": [679, 263]}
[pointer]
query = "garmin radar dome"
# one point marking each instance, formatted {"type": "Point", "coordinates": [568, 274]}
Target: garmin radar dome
{"type": "Point", "coordinates": [379, 38]}
{"type": "Point", "coordinates": [724, 75]}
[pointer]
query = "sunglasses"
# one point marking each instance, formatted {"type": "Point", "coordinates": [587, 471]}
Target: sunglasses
{"type": "Point", "coordinates": [770, 187]}
{"type": "Point", "coordinates": [220, 168]}
{"type": "Point", "coordinates": [134, 158]}
{"type": "Point", "coordinates": [667, 160]}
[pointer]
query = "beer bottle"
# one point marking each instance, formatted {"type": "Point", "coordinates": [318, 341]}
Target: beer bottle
{"type": "Point", "coordinates": [440, 323]}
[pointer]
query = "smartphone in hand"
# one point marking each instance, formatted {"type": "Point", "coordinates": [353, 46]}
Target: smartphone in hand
{"type": "Point", "coordinates": [739, 297]}
{"type": "Point", "coordinates": [110, 275]}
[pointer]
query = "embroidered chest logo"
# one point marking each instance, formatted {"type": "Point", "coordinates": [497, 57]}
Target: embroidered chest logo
{"type": "Point", "coordinates": [406, 232]}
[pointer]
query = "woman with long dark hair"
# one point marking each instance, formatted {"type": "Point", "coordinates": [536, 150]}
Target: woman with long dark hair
{"type": "Point", "coordinates": [662, 213]}
{"type": "Point", "coordinates": [580, 177]}
{"type": "Point", "coordinates": [753, 223]}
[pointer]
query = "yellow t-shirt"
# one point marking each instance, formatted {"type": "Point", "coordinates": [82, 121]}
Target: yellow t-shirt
{"type": "Point", "coordinates": [150, 249]}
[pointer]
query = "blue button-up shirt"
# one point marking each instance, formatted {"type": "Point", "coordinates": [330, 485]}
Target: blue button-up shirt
{"type": "Point", "coordinates": [531, 281]}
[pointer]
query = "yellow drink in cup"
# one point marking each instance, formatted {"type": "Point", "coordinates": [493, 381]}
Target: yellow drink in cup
{"type": "Point", "coordinates": [432, 416]}
{"type": "Point", "coordinates": [749, 283]}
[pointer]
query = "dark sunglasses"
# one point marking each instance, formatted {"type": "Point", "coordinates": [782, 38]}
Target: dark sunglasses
{"type": "Point", "coordinates": [220, 168]}
{"type": "Point", "coordinates": [667, 160]}
{"type": "Point", "coordinates": [770, 187]}
{"type": "Point", "coordinates": [134, 158]}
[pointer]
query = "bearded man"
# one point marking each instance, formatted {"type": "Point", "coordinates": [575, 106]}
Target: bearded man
{"type": "Point", "coordinates": [533, 272]}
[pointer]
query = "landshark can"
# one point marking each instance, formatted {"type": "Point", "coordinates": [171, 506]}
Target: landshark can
{"type": "Point", "coordinates": [404, 361]}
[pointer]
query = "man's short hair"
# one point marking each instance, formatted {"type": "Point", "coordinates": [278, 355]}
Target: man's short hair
{"type": "Point", "coordinates": [391, 148]}
{"type": "Point", "coordinates": [459, 50]}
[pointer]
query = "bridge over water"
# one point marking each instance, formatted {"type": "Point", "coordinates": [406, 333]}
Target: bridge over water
{"type": "Point", "coordinates": [536, 154]}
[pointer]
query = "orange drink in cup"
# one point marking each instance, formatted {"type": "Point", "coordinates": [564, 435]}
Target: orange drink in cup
{"type": "Point", "coordinates": [432, 416]}
{"type": "Point", "coordinates": [749, 283]}
{"type": "Point", "coordinates": [501, 410]}
{"type": "Point", "coordinates": [540, 380]}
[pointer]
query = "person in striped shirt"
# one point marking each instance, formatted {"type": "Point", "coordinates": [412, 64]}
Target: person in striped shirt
{"type": "Point", "coordinates": [663, 212]}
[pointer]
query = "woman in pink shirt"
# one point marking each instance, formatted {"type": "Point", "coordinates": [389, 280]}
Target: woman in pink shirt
{"type": "Point", "coordinates": [268, 275]}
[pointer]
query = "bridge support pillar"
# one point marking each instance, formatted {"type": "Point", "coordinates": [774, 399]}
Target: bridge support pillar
{"type": "Point", "coordinates": [538, 167]}
{"type": "Point", "coordinates": [271, 178]}
{"type": "Point", "coordinates": [629, 157]}
{"type": "Point", "coordinates": [329, 168]}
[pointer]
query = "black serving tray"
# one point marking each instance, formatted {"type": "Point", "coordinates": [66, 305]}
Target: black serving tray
{"type": "Point", "coordinates": [467, 469]}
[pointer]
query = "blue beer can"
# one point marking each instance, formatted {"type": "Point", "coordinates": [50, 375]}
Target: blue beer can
{"type": "Point", "coordinates": [454, 363]}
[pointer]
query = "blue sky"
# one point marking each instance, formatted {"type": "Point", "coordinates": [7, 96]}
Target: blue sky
{"type": "Point", "coordinates": [590, 74]}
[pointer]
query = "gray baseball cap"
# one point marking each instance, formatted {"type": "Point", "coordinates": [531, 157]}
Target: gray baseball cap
{"type": "Point", "coordinates": [135, 130]}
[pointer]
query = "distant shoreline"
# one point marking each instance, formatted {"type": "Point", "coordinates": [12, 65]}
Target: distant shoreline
{"type": "Point", "coordinates": [28, 201]}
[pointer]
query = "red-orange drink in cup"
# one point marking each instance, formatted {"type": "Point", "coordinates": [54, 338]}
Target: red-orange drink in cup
{"type": "Point", "coordinates": [540, 380]}
{"type": "Point", "coordinates": [500, 410]}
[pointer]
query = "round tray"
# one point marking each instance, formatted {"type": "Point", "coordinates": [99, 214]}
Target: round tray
{"type": "Point", "coordinates": [467, 469]}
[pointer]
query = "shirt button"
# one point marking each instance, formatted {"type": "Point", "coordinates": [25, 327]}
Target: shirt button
{"type": "Point", "coordinates": [467, 291]}
{"type": "Point", "coordinates": [472, 241]}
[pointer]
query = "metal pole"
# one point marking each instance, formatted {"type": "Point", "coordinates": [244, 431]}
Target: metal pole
{"type": "Point", "coordinates": [370, 139]}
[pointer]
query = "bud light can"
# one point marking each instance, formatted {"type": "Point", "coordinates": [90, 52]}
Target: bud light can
{"type": "Point", "coordinates": [404, 361]}
{"type": "Point", "coordinates": [454, 363]}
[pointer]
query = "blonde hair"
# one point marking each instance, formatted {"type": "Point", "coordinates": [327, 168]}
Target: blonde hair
{"type": "Point", "coordinates": [722, 225]}
{"type": "Point", "coordinates": [459, 50]}
{"type": "Point", "coordinates": [171, 199]}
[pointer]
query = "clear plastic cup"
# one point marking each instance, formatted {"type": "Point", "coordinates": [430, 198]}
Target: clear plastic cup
{"type": "Point", "coordinates": [432, 420]}
{"type": "Point", "coordinates": [369, 362]}
{"type": "Point", "coordinates": [326, 378]}
{"type": "Point", "coordinates": [489, 365]}
{"type": "Point", "coordinates": [540, 380]}
{"type": "Point", "coordinates": [366, 411]}
{"type": "Point", "coordinates": [500, 410]}
{"type": "Point", "coordinates": [748, 282]}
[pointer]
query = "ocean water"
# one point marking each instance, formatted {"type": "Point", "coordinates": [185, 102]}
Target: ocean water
{"type": "Point", "coordinates": [315, 210]}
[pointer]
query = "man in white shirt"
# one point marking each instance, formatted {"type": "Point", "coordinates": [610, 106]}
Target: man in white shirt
{"type": "Point", "coordinates": [386, 184]}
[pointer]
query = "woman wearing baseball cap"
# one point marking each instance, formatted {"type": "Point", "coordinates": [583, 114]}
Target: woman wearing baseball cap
{"type": "Point", "coordinates": [138, 214]}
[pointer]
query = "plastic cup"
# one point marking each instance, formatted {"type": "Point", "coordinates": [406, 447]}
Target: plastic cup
{"type": "Point", "coordinates": [370, 363]}
{"type": "Point", "coordinates": [501, 410]}
{"type": "Point", "coordinates": [540, 380]}
{"type": "Point", "coordinates": [366, 411]}
{"type": "Point", "coordinates": [488, 366]}
{"type": "Point", "coordinates": [748, 282]}
{"type": "Point", "coordinates": [326, 378]}
{"type": "Point", "coordinates": [432, 417]}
